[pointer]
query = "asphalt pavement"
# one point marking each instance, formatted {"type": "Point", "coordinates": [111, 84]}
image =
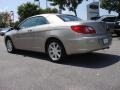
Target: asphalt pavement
{"type": "Point", "coordinates": [32, 71]}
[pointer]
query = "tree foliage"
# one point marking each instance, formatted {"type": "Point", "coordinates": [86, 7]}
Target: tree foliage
{"type": "Point", "coordinates": [111, 5]}
{"type": "Point", "coordinates": [70, 4]}
{"type": "Point", "coordinates": [15, 24]}
{"type": "Point", "coordinates": [4, 19]}
{"type": "Point", "coordinates": [73, 4]}
{"type": "Point", "coordinates": [29, 9]}
{"type": "Point", "coordinates": [61, 3]}
{"type": "Point", "coordinates": [49, 10]}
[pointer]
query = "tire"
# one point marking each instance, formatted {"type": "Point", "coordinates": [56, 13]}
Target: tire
{"type": "Point", "coordinates": [118, 34]}
{"type": "Point", "coordinates": [10, 46]}
{"type": "Point", "coordinates": [55, 51]}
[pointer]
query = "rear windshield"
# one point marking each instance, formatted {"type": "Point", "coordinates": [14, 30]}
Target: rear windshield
{"type": "Point", "coordinates": [68, 18]}
{"type": "Point", "coordinates": [95, 18]}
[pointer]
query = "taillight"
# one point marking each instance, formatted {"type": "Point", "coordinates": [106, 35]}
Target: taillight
{"type": "Point", "coordinates": [83, 29]}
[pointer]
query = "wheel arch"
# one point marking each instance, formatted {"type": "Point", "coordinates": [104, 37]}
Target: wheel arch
{"type": "Point", "coordinates": [53, 38]}
{"type": "Point", "coordinates": [7, 37]}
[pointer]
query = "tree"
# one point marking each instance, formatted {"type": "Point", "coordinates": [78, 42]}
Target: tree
{"type": "Point", "coordinates": [49, 10]}
{"type": "Point", "coordinates": [29, 9]}
{"type": "Point", "coordinates": [15, 24]}
{"type": "Point", "coordinates": [73, 4]}
{"type": "Point", "coordinates": [70, 4]}
{"type": "Point", "coordinates": [111, 5]}
{"type": "Point", "coordinates": [4, 19]}
{"type": "Point", "coordinates": [61, 4]}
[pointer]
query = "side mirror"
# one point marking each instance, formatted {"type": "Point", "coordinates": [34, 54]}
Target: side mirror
{"type": "Point", "coordinates": [11, 28]}
{"type": "Point", "coordinates": [16, 28]}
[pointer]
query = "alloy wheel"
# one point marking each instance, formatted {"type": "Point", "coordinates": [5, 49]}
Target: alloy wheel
{"type": "Point", "coordinates": [9, 45]}
{"type": "Point", "coordinates": [55, 51]}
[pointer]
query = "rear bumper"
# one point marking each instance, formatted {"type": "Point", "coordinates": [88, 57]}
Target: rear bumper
{"type": "Point", "coordinates": [88, 44]}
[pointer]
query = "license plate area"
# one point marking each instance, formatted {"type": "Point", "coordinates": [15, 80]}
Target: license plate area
{"type": "Point", "coordinates": [105, 41]}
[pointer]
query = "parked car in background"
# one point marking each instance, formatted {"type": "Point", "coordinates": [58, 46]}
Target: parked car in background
{"type": "Point", "coordinates": [109, 19]}
{"type": "Point", "coordinates": [58, 35]}
{"type": "Point", "coordinates": [117, 27]}
{"type": "Point", "coordinates": [0, 29]}
{"type": "Point", "coordinates": [5, 30]}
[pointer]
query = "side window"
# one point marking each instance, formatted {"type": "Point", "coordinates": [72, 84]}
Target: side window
{"type": "Point", "coordinates": [34, 21]}
{"type": "Point", "coordinates": [40, 20]}
{"type": "Point", "coordinates": [27, 23]}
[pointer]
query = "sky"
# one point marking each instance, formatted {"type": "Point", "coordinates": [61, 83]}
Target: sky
{"type": "Point", "coordinates": [11, 5]}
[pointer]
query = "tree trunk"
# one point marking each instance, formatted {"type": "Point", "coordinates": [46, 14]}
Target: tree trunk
{"type": "Point", "coordinates": [75, 13]}
{"type": "Point", "coordinates": [60, 9]}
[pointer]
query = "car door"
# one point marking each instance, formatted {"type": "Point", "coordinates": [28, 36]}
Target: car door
{"type": "Point", "coordinates": [24, 37]}
{"type": "Point", "coordinates": [38, 33]}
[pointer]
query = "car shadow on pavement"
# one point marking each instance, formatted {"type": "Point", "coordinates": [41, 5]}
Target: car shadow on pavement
{"type": "Point", "coordinates": [89, 60]}
{"type": "Point", "coordinates": [92, 60]}
{"type": "Point", "coordinates": [31, 54]}
{"type": "Point", "coordinates": [115, 36]}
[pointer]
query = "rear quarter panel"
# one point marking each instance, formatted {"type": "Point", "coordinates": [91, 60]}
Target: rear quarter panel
{"type": "Point", "coordinates": [63, 33]}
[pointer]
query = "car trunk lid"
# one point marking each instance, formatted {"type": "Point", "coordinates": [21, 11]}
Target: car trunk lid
{"type": "Point", "coordinates": [100, 27]}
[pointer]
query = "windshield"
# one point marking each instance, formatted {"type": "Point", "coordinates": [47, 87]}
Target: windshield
{"type": "Point", "coordinates": [68, 18]}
